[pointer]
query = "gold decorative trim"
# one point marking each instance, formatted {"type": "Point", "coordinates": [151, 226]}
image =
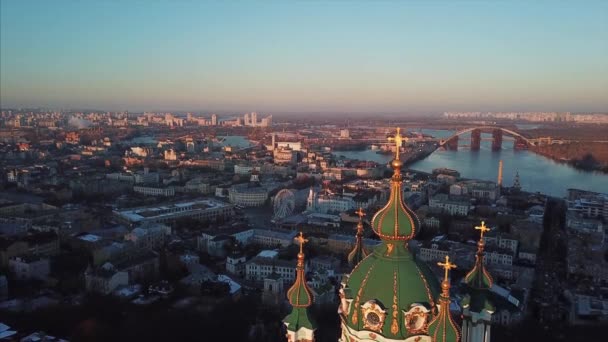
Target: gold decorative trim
{"type": "Point", "coordinates": [371, 307]}
{"type": "Point", "coordinates": [395, 324]}
{"type": "Point", "coordinates": [416, 321]}
{"type": "Point", "coordinates": [355, 318]}
{"type": "Point", "coordinates": [428, 290]}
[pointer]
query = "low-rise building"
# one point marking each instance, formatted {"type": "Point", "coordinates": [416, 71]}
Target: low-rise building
{"type": "Point", "coordinates": [154, 191]}
{"type": "Point", "coordinates": [202, 209]}
{"type": "Point", "coordinates": [259, 268]}
{"type": "Point", "coordinates": [30, 267]}
{"type": "Point", "coordinates": [453, 207]}
{"type": "Point", "coordinates": [105, 279]}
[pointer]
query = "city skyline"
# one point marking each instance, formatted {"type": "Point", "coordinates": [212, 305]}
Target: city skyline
{"type": "Point", "coordinates": [296, 57]}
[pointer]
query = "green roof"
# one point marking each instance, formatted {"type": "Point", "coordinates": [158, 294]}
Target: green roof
{"type": "Point", "coordinates": [395, 221]}
{"type": "Point", "coordinates": [478, 277]}
{"type": "Point", "coordinates": [443, 328]}
{"type": "Point", "coordinates": [388, 276]}
{"type": "Point", "coordinates": [299, 318]}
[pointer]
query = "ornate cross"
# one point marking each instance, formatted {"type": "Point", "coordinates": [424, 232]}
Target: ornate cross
{"type": "Point", "coordinates": [398, 139]}
{"type": "Point", "coordinates": [360, 213]}
{"type": "Point", "coordinates": [482, 228]}
{"type": "Point", "coordinates": [447, 266]}
{"type": "Point", "coordinates": [301, 240]}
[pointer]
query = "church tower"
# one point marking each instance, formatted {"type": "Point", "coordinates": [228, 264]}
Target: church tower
{"type": "Point", "coordinates": [390, 296]}
{"type": "Point", "coordinates": [359, 252]}
{"type": "Point", "coordinates": [443, 328]}
{"type": "Point", "coordinates": [516, 182]}
{"type": "Point", "coordinates": [299, 324]}
{"type": "Point", "coordinates": [311, 203]}
{"type": "Point", "coordinates": [477, 309]}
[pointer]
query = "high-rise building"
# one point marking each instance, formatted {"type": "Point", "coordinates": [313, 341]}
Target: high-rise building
{"type": "Point", "coordinates": [254, 119]}
{"type": "Point", "coordinates": [246, 120]}
{"type": "Point", "coordinates": [213, 119]}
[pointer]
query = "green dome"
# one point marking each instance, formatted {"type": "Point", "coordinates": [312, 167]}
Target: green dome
{"type": "Point", "coordinates": [391, 278]}
{"type": "Point", "coordinates": [395, 221]}
{"type": "Point", "coordinates": [299, 295]}
{"type": "Point", "coordinates": [359, 252]}
{"type": "Point", "coordinates": [478, 277]}
{"type": "Point", "coordinates": [443, 328]}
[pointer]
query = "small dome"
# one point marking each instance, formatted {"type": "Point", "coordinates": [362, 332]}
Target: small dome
{"type": "Point", "coordinates": [395, 221]}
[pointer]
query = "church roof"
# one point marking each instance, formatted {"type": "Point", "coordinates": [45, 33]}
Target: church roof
{"type": "Point", "coordinates": [478, 280]}
{"type": "Point", "coordinates": [395, 221]}
{"type": "Point", "coordinates": [390, 282]}
{"type": "Point", "coordinates": [358, 252]}
{"type": "Point", "coordinates": [478, 277]}
{"type": "Point", "coordinates": [443, 328]}
{"type": "Point", "coordinates": [299, 296]}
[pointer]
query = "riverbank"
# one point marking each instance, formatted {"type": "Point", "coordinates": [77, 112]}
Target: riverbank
{"type": "Point", "coordinates": [590, 156]}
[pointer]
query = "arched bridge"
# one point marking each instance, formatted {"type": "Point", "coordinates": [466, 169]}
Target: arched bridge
{"type": "Point", "coordinates": [521, 142]}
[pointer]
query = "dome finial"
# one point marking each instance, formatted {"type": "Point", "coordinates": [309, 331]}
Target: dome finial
{"type": "Point", "coordinates": [398, 139]}
{"type": "Point", "coordinates": [447, 266]}
{"type": "Point", "coordinates": [301, 240]}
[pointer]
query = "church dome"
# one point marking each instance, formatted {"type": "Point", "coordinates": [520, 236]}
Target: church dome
{"type": "Point", "coordinates": [390, 293]}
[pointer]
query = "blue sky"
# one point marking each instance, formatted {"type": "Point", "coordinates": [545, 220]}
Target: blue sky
{"type": "Point", "coordinates": [350, 56]}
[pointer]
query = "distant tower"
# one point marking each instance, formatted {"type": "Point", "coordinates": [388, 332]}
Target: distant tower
{"type": "Point", "coordinates": [213, 119]}
{"type": "Point", "coordinates": [311, 204]}
{"type": "Point", "coordinates": [516, 183]}
{"type": "Point", "coordinates": [247, 120]}
{"type": "Point", "coordinates": [274, 141]}
{"type": "Point", "coordinates": [358, 253]}
{"type": "Point", "coordinates": [254, 119]}
{"type": "Point", "coordinates": [500, 173]}
{"type": "Point", "coordinates": [477, 309]}
{"type": "Point", "coordinates": [442, 328]}
{"type": "Point", "coordinates": [299, 323]}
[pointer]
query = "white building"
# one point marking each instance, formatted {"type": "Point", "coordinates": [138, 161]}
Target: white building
{"type": "Point", "coordinates": [202, 209]}
{"type": "Point", "coordinates": [150, 235]}
{"type": "Point", "coordinates": [154, 191]}
{"type": "Point", "coordinates": [452, 207]}
{"type": "Point", "coordinates": [324, 203]}
{"type": "Point", "coordinates": [259, 268]}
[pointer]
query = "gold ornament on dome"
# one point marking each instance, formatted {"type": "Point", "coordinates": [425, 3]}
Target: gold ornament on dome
{"type": "Point", "coordinates": [373, 316]}
{"type": "Point", "coordinates": [416, 320]}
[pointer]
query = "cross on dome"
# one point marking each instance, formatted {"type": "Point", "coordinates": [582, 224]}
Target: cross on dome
{"type": "Point", "coordinates": [360, 213]}
{"type": "Point", "coordinates": [301, 240]}
{"type": "Point", "coordinates": [447, 266]}
{"type": "Point", "coordinates": [482, 228]}
{"type": "Point", "coordinates": [398, 139]}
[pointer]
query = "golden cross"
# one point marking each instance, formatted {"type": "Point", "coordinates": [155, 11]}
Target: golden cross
{"type": "Point", "coordinates": [447, 265]}
{"type": "Point", "coordinates": [301, 241]}
{"type": "Point", "coordinates": [483, 229]}
{"type": "Point", "coordinates": [398, 139]}
{"type": "Point", "coordinates": [360, 212]}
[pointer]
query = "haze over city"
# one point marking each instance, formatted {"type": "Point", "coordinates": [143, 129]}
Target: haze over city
{"type": "Point", "coordinates": [305, 56]}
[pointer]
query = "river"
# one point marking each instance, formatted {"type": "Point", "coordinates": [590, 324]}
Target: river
{"type": "Point", "coordinates": [536, 173]}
